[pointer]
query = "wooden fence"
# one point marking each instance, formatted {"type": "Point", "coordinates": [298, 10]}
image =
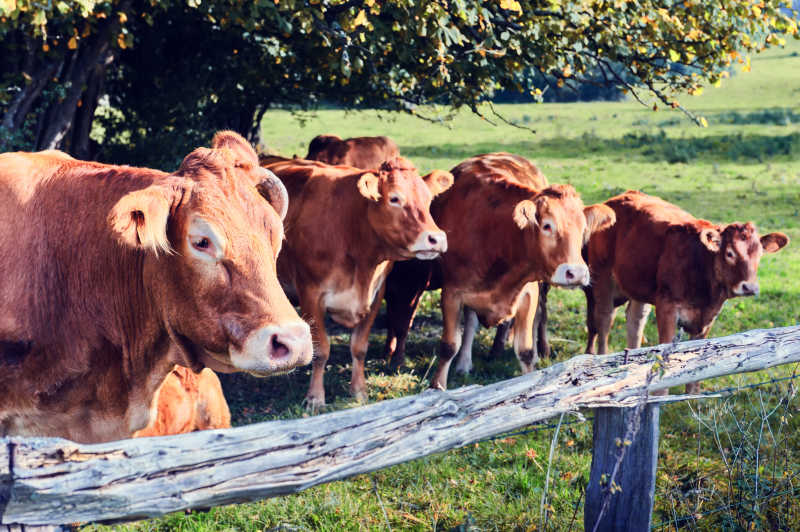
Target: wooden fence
{"type": "Point", "coordinates": [45, 481]}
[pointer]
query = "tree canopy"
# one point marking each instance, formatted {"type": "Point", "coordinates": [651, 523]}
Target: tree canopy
{"type": "Point", "coordinates": [175, 70]}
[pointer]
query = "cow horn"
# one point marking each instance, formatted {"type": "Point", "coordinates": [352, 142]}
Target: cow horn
{"type": "Point", "coordinates": [274, 192]}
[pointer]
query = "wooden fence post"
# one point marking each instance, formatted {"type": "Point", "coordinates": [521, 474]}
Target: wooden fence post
{"type": "Point", "coordinates": [630, 497]}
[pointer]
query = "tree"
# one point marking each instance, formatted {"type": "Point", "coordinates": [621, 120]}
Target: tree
{"type": "Point", "coordinates": [175, 70]}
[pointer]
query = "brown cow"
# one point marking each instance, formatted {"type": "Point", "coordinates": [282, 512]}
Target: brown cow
{"type": "Point", "coordinates": [504, 236]}
{"type": "Point", "coordinates": [405, 282]}
{"type": "Point", "coordinates": [185, 402]}
{"type": "Point", "coordinates": [358, 152]}
{"type": "Point", "coordinates": [657, 254]}
{"type": "Point", "coordinates": [344, 228]}
{"type": "Point", "coordinates": [113, 274]}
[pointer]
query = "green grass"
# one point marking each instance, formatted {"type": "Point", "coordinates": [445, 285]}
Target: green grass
{"type": "Point", "coordinates": [745, 166]}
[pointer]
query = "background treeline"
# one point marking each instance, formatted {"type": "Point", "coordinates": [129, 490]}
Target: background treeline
{"type": "Point", "coordinates": [144, 81]}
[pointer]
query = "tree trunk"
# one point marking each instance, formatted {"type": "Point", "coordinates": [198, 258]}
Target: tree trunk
{"type": "Point", "coordinates": [253, 134]}
{"type": "Point", "coordinates": [64, 122]}
{"type": "Point", "coordinates": [80, 144]}
{"type": "Point", "coordinates": [61, 115]}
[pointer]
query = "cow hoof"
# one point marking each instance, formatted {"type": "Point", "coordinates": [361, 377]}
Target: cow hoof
{"type": "Point", "coordinates": [437, 386]}
{"type": "Point", "coordinates": [464, 370]}
{"type": "Point", "coordinates": [359, 396]}
{"type": "Point", "coordinates": [313, 403]}
{"type": "Point", "coordinates": [396, 362]}
{"type": "Point", "coordinates": [693, 388]}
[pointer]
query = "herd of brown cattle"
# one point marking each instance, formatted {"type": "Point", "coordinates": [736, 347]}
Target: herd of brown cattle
{"type": "Point", "coordinates": [122, 288]}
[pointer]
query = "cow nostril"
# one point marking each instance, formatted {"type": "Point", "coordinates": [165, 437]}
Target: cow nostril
{"type": "Point", "coordinates": [569, 275]}
{"type": "Point", "coordinates": [432, 240]}
{"type": "Point", "coordinates": [279, 349]}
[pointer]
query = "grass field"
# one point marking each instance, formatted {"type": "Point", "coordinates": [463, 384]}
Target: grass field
{"type": "Point", "coordinates": [745, 166]}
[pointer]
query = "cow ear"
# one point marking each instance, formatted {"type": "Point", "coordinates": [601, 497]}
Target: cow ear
{"type": "Point", "coordinates": [140, 218]}
{"type": "Point", "coordinates": [369, 186]}
{"type": "Point", "coordinates": [274, 192]}
{"type": "Point", "coordinates": [438, 181]}
{"type": "Point", "coordinates": [598, 218]}
{"type": "Point", "coordinates": [774, 242]}
{"type": "Point", "coordinates": [711, 239]}
{"type": "Point", "coordinates": [525, 214]}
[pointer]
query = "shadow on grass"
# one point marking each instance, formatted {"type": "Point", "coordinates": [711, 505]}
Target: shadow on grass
{"type": "Point", "coordinates": [253, 400]}
{"type": "Point", "coordinates": [652, 147]}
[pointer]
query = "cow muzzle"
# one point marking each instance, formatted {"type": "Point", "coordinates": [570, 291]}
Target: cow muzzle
{"type": "Point", "coordinates": [274, 349]}
{"type": "Point", "coordinates": [571, 275]}
{"type": "Point", "coordinates": [429, 245]}
{"type": "Point", "coordinates": [746, 289]}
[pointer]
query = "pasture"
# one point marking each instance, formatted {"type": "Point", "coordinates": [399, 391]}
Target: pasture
{"type": "Point", "coordinates": [745, 166]}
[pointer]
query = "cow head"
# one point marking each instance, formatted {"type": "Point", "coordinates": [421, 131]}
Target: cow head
{"type": "Point", "coordinates": [320, 143]}
{"type": "Point", "coordinates": [399, 209]}
{"type": "Point", "coordinates": [208, 242]}
{"type": "Point", "coordinates": [737, 250]}
{"type": "Point", "coordinates": [558, 226]}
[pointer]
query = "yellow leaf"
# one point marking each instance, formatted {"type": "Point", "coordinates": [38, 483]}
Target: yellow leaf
{"type": "Point", "coordinates": [121, 41]}
{"type": "Point", "coordinates": [46, 47]}
{"type": "Point", "coordinates": [511, 5]}
{"type": "Point", "coordinates": [756, 10]}
{"type": "Point", "coordinates": [123, 18]}
{"type": "Point", "coordinates": [567, 72]}
{"type": "Point", "coordinates": [746, 67]}
{"type": "Point", "coordinates": [674, 56]}
{"type": "Point", "coordinates": [361, 19]}
{"type": "Point", "coordinates": [72, 43]}
{"type": "Point", "coordinates": [703, 122]}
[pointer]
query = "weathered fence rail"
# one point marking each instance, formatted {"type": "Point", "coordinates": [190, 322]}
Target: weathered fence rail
{"type": "Point", "coordinates": [54, 481]}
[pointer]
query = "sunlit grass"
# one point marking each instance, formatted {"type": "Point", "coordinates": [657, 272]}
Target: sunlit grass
{"type": "Point", "coordinates": [732, 171]}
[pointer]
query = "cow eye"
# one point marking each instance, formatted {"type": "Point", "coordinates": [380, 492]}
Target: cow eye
{"type": "Point", "coordinates": [547, 227]}
{"type": "Point", "coordinates": [202, 244]}
{"type": "Point", "coordinates": [395, 200]}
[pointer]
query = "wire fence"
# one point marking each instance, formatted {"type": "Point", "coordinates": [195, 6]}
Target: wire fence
{"type": "Point", "coordinates": [734, 465]}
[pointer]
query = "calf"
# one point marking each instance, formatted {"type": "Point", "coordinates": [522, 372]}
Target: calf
{"type": "Point", "coordinates": [358, 152]}
{"type": "Point", "coordinates": [504, 236]}
{"type": "Point", "coordinates": [657, 254]}
{"type": "Point", "coordinates": [345, 227]}
{"type": "Point", "coordinates": [111, 275]}
{"type": "Point", "coordinates": [187, 401]}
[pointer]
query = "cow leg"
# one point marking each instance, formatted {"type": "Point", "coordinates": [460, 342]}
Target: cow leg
{"type": "Point", "coordinates": [404, 288]}
{"type": "Point", "coordinates": [603, 291]}
{"type": "Point", "coordinates": [315, 313]}
{"type": "Point", "coordinates": [464, 362]}
{"type": "Point", "coordinates": [694, 387]}
{"type": "Point", "coordinates": [667, 322]}
{"type": "Point", "coordinates": [591, 328]}
{"type": "Point", "coordinates": [451, 309]}
{"type": "Point", "coordinates": [399, 318]}
{"type": "Point", "coordinates": [540, 325]}
{"type": "Point", "coordinates": [523, 328]}
{"type": "Point", "coordinates": [500, 338]}
{"type": "Point", "coordinates": [635, 320]}
{"type": "Point", "coordinates": [359, 342]}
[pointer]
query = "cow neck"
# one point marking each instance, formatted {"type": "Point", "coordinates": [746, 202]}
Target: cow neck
{"type": "Point", "coordinates": [369, 248]}
{"type": "Point", "coordinates": [702, 289]}
{"type": "Point", "coordinates": [717, 292]}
